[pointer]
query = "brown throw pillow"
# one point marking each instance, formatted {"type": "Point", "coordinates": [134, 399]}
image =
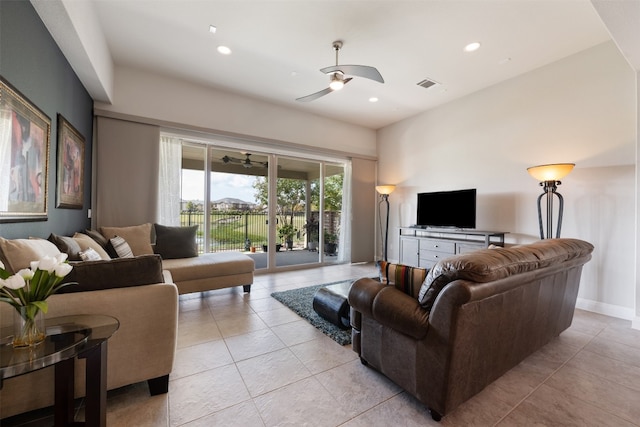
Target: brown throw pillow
{"type": "Point", "coordinates": [138, 237]}
{"type": "Point", "coordinates": [85, 242]}
{"type": "Point", "coordinates": [116, 273]}
{"type": "Point", "coordinates": [98, 237]}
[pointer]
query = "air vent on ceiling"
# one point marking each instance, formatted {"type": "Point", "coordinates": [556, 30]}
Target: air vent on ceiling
{"type": "Point", "coordinates": [426, 83]}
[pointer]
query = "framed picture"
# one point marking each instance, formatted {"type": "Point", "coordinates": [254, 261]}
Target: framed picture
{"type": "Point", "coordinates": [24, 157]}
{"type": "Point", "coordinates": [70, 188]}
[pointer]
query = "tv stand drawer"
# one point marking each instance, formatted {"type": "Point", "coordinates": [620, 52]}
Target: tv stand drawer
{"type": "Point", "coordinates": [433, 245]}
{"type": "Point", "coordinates": [432, 257]}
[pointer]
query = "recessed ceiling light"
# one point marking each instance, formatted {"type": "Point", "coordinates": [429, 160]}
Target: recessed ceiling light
{"type": "Point", "coordinates": [472, 47]}
{"type": "Point", "coordinates": [373, 99]}
{"type": "Point", "coordinates": [224, 50]}
{"type": "Point", "coordinates": [212, 29]}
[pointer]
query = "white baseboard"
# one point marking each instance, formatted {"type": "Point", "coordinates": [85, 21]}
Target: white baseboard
{"type": "Point", "coordinates": [609, 310]}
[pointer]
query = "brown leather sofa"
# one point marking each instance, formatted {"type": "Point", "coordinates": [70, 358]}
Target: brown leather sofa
{"type": "Point", "coordinates": [475, 317]}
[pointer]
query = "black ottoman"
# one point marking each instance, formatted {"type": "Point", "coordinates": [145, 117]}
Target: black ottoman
{"type": "Point", "coordinates": [330, 302]}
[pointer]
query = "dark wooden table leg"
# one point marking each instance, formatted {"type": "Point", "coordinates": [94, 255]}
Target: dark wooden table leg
{"type": "Point", "coordinates": [96, 386]}
{"type": "Point", "coordinates": [64, 392]}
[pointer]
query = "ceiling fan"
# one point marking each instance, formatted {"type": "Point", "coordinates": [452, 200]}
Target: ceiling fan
{"type": "Point", "coordinates": [246, 162]}
{"type": "Point", "coordinates": [336, 75]}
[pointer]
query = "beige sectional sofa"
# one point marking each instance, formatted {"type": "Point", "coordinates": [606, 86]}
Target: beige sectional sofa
{"type": "Point", "coordinates": [142, 349]}
{"type": "Point", "coordinates": [141, 292]}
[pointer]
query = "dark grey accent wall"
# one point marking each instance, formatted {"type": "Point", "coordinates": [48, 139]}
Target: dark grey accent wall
{"type": "Point", "coordinates": [32, 62]}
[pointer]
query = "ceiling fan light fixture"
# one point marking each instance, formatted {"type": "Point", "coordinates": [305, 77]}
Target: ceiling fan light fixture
{"type": "Point", "coordinates": [337, 74]}
{"type": "Point", "coordinates": [337, 82]}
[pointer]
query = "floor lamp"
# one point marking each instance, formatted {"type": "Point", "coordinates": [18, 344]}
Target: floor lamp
{"type": "Point", "coordinates": [384, 191]}
{"type": "Point", "coordinates": [549, 177]}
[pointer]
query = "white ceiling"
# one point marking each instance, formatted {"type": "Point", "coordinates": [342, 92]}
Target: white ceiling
{"type": "Point", "coordinates": [279, 46]}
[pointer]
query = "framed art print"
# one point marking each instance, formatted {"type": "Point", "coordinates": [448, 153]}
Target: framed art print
{"type": "Point", "coordinates": [70, 186]}
{"type": "Point", "coordinates": [24, 157]}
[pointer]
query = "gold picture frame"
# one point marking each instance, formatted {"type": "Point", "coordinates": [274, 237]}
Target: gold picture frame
{"type": "Point", "coordinates": [70, 185]}
{"type": "Point", "coordinates": [24, 157]}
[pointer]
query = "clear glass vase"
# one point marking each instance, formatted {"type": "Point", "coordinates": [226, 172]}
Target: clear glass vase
{"type": "Point", "coordinates": [28, 328]}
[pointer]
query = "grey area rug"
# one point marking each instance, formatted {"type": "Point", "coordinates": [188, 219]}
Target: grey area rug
{"type": "Point", "coordinates": [300, 301]}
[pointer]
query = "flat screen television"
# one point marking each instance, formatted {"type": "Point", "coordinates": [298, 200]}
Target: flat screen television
{"type": "Point", "coordinates": [453, 209]}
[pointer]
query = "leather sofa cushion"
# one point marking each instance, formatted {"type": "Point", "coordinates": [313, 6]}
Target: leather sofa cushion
{"type": "Point", "coordinates": [492, 264]}
{"type": "Point", "coordinates": [404, 278]}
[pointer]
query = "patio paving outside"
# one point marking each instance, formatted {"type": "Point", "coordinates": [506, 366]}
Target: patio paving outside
{"type": "Point", "coordinates": [293, 257]}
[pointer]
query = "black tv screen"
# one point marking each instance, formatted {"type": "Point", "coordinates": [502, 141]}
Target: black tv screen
{"type": "Point", "coordinates": [456, 209]}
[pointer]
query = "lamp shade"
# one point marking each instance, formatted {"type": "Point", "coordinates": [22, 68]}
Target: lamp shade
{"type": "Point", "coordinates": [552, 172]}
{"type": "Point", "coordinates": [385, 189]}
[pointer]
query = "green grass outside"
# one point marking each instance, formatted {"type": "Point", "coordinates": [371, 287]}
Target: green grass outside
{"type": "Point", "coordinates": [228, 229]}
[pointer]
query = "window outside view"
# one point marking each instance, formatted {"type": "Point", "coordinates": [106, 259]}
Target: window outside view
{"type": "Point", "coordinates": [238, 206]}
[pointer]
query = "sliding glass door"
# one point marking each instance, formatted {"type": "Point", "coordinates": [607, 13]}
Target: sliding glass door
{"type": "Point", "coordinates": [283, 211]}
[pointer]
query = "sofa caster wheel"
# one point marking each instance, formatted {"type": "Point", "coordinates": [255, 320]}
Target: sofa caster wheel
{"type": "Point", "coordinates": [364, 362]}
{"type": "Point", "coordinates": [436, 416]}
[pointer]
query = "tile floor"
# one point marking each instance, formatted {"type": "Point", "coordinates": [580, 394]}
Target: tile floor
{"type": "Point", "coordinates": [246, 360]}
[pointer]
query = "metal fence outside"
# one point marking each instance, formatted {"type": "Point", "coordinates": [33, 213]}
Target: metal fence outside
{"type": "Point", "coordinates": [240, 231]}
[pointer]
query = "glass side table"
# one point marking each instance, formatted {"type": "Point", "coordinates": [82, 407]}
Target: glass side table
{"type": "Point", "coordinates": [68, 337]}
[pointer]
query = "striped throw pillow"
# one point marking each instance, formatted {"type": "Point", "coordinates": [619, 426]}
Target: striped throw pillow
{"type": "Point", "coordinates": [404, 278]}
{"type": "Point", "coordinates": [121, 247]}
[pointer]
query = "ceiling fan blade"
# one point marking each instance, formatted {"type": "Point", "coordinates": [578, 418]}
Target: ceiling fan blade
{"type": "Point", "coordinates": [319, 94]}
{"type": "Point", "coordinates": [315, 96]}
{"type": "Point", "coordinates": [356, 70]}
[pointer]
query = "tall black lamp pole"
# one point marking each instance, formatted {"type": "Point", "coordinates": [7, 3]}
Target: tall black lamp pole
{"type": "Point", "coordinates": [550, 176]}
{"type": "Point", "coordinates": [384, 191]}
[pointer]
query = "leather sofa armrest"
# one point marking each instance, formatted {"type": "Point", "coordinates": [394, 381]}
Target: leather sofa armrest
{"type": "Point", "coordinates": [362, 294]}
{"type": "Point", "coordinates": [389, 307]}
{"type": "Point", "coordinates": [401, 312]}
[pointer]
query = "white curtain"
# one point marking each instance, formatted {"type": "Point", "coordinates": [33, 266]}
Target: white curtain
{"type": "Point", "coordinates": [170, 172]}
{"type": "Point", "coordinates": [344, 250]}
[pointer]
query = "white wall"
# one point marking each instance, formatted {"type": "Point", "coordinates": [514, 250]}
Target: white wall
{"type": "Point", "coordinates": [157, 97]}
{"type": "Point", "coordinates": [581, 109]}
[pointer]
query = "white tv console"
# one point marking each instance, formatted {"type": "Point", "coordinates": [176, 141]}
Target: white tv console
{"type": "Point", "coordinates": [424, 247]}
